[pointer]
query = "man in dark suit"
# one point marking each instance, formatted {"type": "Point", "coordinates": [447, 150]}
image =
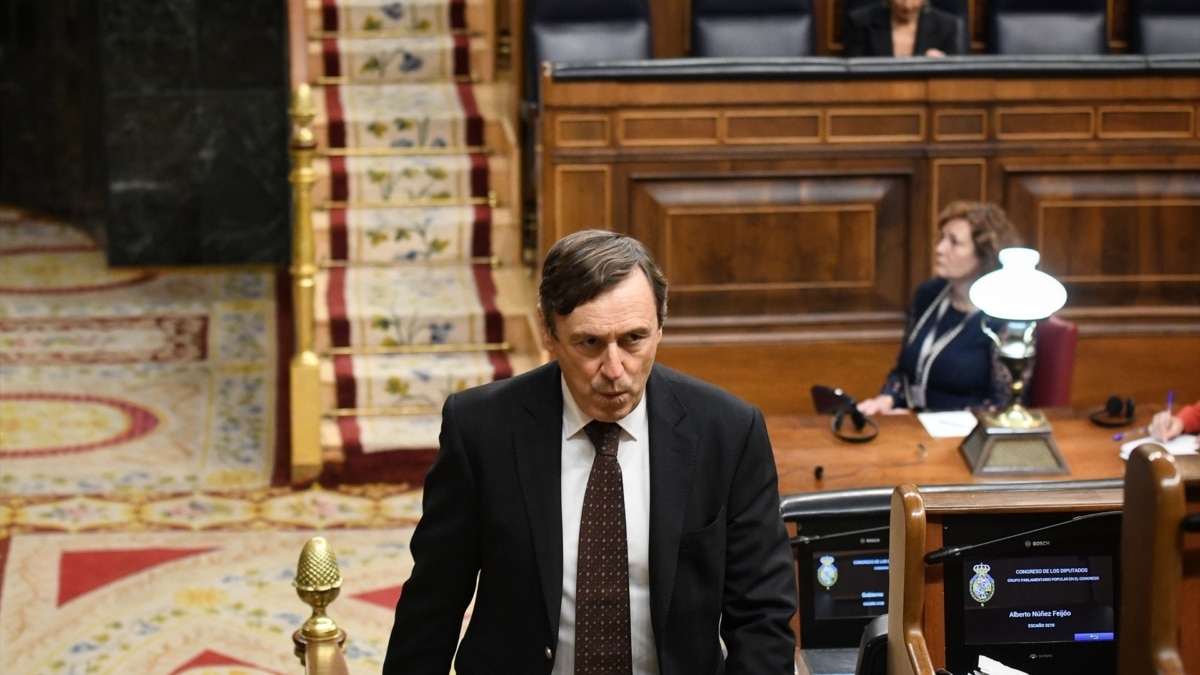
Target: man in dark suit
{"type": "Point", "coordinates": [902, 28]}
{"type": "Point", "coordinates": [711, 582]}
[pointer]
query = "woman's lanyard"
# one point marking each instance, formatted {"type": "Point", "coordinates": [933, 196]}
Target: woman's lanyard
{"type": "Point", "coordinates": [932, 346]}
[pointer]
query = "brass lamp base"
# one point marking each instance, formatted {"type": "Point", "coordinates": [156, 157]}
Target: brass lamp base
{"type": "Point", "coordinates": [1015, 441]}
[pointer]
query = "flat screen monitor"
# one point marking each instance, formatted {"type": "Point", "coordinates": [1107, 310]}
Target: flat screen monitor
{"type": "Point", "coordinates": [1037, 592]}
{"type": "Point", "coordinates": [842, 569]}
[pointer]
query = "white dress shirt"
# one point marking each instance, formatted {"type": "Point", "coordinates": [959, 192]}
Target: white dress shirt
{"type": "Point", "coordinates": [634, 456]}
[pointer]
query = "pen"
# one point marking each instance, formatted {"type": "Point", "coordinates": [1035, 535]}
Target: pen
{"type": "Point", "coordinates": [1140, 431]}
{"type": "Point", "coordinates": [1170, 400]}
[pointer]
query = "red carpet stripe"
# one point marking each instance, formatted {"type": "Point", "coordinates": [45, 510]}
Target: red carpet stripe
{"type": "Point", "coordinates": [396, 467]}
{"type": "Point", "coordinates": [339, 236]}
{"type": "Point", "coordinates": [458, 14]}
{"type": "Point", "coordinates": [346, 388]}
{"type": "Point", "coordinates": [474, 121]}
{"type": "Point", "coordinates": [339, 188]}
{"type": "Point", "coordinates": [479, 176]}
{"type": "Point", "coordinates": [462, 55]}
{"type": "Point", "coordinates": [337, 120]}
{"type": "Point", "coordinates": [329, 52]}
{"type": "Point", "coordinates": [329, 15]}
{"type": "Point", "coordinates": [339, 327]}
{"type": "Point", "coordinates": [487, 297]}
{"type": "Point", "coordinates": [386, 466]}
{"type": "Point", "coordinates": [481, 233]}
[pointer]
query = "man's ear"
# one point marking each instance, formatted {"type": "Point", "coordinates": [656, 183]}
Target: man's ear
{"type": "Point", "coordinates": [547, 339]}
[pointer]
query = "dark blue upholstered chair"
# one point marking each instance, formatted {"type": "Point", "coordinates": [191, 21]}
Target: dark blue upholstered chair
{"type": "Point", "coordinates": [1165, 26]}
{"type": "Point", "coordinates": [583, 30]}
{"type": "Point", "coordinates": [1075, 27]}
{"type": "Point", "coordinates": [762, 28]}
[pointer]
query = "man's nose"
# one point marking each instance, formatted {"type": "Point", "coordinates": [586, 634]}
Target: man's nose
{"type": "Point", "coordinates": [611, 367]}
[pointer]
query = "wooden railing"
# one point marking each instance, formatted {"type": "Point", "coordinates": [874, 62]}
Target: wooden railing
{"type": "Point", "coordinates": [1160, 629]}
{"type": "Point", "coordinates": [304, 390]}
{"type": "Point", "coordinates": [305, 387]}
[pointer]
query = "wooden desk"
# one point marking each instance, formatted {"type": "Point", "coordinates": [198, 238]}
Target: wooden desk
{"type": "Point", "coordinates": [803, 442]}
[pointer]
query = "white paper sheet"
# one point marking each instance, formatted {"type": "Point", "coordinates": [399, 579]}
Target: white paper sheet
{"type": "Point", "coordinates": [949, 424]}
{"type": "Point", "coordinates": [993, 667]}
{"type": "Point", "coordinates": [1184, 444]}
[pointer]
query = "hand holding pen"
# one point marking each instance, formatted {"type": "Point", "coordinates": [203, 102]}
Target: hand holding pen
{"type": "Point", "coordinates": [1165, 425]}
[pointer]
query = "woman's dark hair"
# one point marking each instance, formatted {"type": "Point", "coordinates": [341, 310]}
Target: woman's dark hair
{"type": "Point", "coordinates": [584, 264]}
{"type": "Point", "coordinates": [991, 230]}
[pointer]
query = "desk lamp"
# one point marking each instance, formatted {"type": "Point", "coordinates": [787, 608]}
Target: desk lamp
{"type": "Point", "coordinates": [1016, 440]}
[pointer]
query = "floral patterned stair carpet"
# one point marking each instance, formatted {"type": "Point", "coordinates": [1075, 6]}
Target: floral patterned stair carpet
{"type": "Point", "coordinates": [422, 290]}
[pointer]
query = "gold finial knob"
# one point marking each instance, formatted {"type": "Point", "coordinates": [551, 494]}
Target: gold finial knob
{"type": "Point", "coordinates": [318, 583]}
{"type": "Point", "coordinates": [303, 110]}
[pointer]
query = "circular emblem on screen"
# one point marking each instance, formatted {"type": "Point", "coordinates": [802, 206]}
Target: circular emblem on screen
{"type": "Point", "coordinates": [982, 585]}
{"type": "Point", "coordinates": [827, 573]}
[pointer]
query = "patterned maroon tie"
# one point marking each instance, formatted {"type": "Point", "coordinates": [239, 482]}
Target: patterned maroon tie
{"type": "Point", "coordinates": [602, 581]}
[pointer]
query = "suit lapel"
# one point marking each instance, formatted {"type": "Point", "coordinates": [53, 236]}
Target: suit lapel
{"type": "Point", "coordinates": [537, 447]}
{"type": "Point", "coordinates": [672, 465]}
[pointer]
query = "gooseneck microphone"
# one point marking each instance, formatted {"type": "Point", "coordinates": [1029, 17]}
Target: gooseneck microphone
{"type": "Point", "coordinates": [944, 553]}
{"type": "Point", "coordinates": [805, 539]}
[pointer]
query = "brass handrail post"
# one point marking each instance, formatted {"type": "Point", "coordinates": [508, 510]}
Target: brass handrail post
{"type": "Point", "coordinates": [305, 377]}
{"type": "Point", "coordinates": [319, 642]}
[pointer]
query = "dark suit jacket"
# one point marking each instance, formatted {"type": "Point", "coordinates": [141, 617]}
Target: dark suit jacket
{"type": "Point", "coordinates": [719, 555]}
{"type": "Point", "coordinates": [869, 32]}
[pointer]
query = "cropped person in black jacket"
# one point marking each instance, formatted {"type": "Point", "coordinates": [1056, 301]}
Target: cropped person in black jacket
{"type": "Point", "coordinates": [901, 28]}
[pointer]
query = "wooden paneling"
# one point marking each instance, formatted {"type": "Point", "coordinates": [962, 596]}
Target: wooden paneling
{"type": "Point", "coordinates": [1114, 237]}
{"type": "Point", "coordinates": [1037, 123]}
{"type": "Point", "coordinates": [583, 131]}
{"type": "Point", "coordinates": [739, 245]}
{"type": "Point", "coordinates": [795, 217]}
{"type": "Point", "coordinates": [1137, 122]}
{"type": "Point", "coordinates": [858, 125]}
{"type": "Point", "coordinates": [773, 126]}
{"type": "Point", "coordinates": [777, 371]}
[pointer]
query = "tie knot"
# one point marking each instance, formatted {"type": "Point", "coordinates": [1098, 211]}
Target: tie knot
{"type": "Point", "coordinates": [605, 436]}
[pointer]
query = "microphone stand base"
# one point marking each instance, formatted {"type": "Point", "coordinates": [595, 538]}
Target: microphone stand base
{"type": "Point", "coordinates": [993, 449]}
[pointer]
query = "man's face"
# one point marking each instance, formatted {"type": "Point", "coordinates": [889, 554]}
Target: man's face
{"type": "Point", "coordinates": [606, 348]}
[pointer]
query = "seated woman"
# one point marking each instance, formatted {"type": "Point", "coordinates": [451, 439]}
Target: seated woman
{"type": "Point", "coordinates": [947, 362]}
{"type": "Point", "coordinates": [901, 28]}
